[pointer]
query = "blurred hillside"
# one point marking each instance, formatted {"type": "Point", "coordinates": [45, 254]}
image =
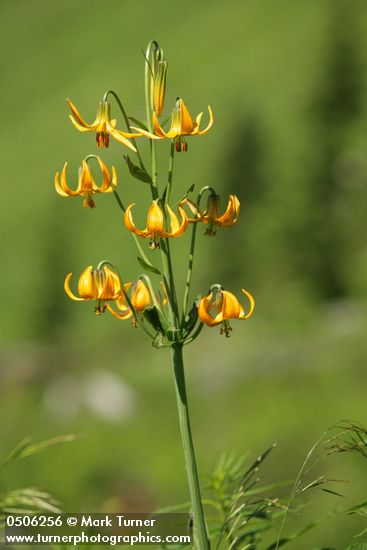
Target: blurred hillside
{"type": "Point", "coordinates": [287, 84]}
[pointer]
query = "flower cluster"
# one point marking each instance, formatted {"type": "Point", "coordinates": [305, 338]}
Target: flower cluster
{"type": "Point", "coordinates": [158, 313]}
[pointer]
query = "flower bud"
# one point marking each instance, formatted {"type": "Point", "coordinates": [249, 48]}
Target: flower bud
{"type": "Point", "coordinates": [159, 86]}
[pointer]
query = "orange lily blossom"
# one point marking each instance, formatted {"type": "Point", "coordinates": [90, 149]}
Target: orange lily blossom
{"type": "Point", "coordinates": [86, 184]}
{"type": "Point", "coordinates": [155, 228]}
{"type": "Point", "coordinates": [101, 284]}
{"type": "Point", "coordinates": [103, 126]}
{"type": "Point", "coordinates": [140, 299]}
{"type": "Point", "coordinates": [226, 307]}
{"type": "Point", "coordinates": [211, 216]}
{"type": "Point", "coordinates": [182, 125]}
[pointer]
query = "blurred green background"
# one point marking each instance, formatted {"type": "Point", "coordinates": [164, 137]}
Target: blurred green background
{"type": "Point", "coordinates": [287, 84]}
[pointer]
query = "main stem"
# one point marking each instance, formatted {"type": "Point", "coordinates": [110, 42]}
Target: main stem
{"type": "Point", "coordinates": [201, 541]}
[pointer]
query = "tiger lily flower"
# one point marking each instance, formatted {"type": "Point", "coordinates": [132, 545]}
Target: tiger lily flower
{"type": "Point", "coordinates": [140, 299]}
{"type": "Point", "coordinates": [101, 284]}
{"type": "Point", "coordinates": [182, 125]}
{"type": "Point", "coordinates": [211, 216]}
{"type": "Point", "coordinates": [155, 228]}
{"type": "Point", "coordinates": [103, 126]}
{"type": "Point", "coordinates": [226, 306]}
{"type": "Point", "coordinates": [86, 184]}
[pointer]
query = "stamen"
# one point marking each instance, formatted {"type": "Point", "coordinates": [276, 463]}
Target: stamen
{"type": "Point", "coordinates": [181, 145]}
{"type": "Point", "coordinates": [103, 139]}
{"type": "Point", "coordinates": [88, 202]}
{"type": "Point", "coordinates": [154, 243]}
{"type": "Point", "coordinates": [211, 231]}
{"type": "Point", "coordinates": [226, 328]}
{"type": "Point", "coordinates": [100, 308]}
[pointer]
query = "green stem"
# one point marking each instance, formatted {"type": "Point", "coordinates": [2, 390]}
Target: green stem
{"type": "Point", "coordinates": [170, 172]}
{"type": "Point", "coordinates": [166, 252]}
{"type": "Point", "coordinates": [191, 255]}
{"type": "Point", "coordinates": [201, 541]}
{"type": "Point", "coordinates": [168, 269]}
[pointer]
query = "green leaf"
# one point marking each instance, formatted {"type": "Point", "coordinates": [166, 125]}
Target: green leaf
{"type": "Point", "coordinates": [174, 508]}
{"type": "Point", "coordinates": [359, 546]}
{"type": "Point", "coordinates": [137, 171]}
{"type": "Point", "coordinates": [357, 508]}
{"type": "Point", "coordinates": [26, 448]}
{"type": "Point", "coordinates": [148, 267]}
{"type": "Point", "coordinates": [17, 452]}
{"type": "Point", "coordinates": [151, 314]}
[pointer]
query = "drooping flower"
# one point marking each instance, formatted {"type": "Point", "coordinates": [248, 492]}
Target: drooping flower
{"type": "Point", "coordinates": [103, 126]}
{"type": "Point", "coordinates": [87, 186]}
{"type": "Point", "coordinates": [140, 299]}
{"type": "Point", "coordinates": [155, 228]}
{"type": "Point", "coordinates": [101, 284]}
{"type": "Point", "coordinates": [225, 306]}
{"type": "Point", "coordinates": [211, 216]}
{"type": "Point", "coordinates": [182, 125]}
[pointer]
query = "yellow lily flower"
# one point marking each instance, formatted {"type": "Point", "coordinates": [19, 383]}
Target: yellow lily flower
{"type": "Point", "coordinates": [140, 299]}
{"type": "Point", "coordinates": [103, 126]}
{"type": "Point", "coordinates": [226, 307]}
{"type": "Point", "coordinates": [101, 284]}
{"type": "Point", "coordinates": [211, 216]}
{"type": "Point", "coordinates": [182, 125]}
{"type": "Point", "coordinates": [86, 184]}
{"type": "Point", "coordinates": [155, 228]}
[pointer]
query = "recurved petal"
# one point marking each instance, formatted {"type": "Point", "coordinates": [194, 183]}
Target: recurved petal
{"type": "Point", "coordinates": [197, 123]}
{"type": "Point", "coordinates": [230, 307]}
{"type": "Point", "coordinates": [77, 120]}
{"type": "Point", "coordinates": [106, 288]}
{"type": "Point", "coordinates": [157, 128]}
{"type": "Point", "coordinates": [68, 290]}
{"type": "Point", "coordinates": [79, 126]}
{"type": "Point", "coordinates": [125, 314]}
{"type": "Point", "coordinates": [64, 186]}
{"type": "Point", "coordinates": [210, 123]}
{"type": "Point", "coordinates": [58, 187]}
{"type": "Point", "coordinates": [186, 122]}
{"type": "Point", "coordinates": [143, 132]}
{"type": "Point", "coordinates": [204, 311]}
{"type": "Point", "coordinates": [113, 278]}
{"type": "Point", "coordinates": [87, 288]}
{"type": "Point", "coordinates": [114, 178]}
{"type": "Point", "coordinates": [111, 125]}
{"type": "Point", "coordinates": [106, 178]}
{"type": "Point", "coordinates": [194, 209]}
{"type": "Point", "coordinates": [120, 137]}
{"type": "Point", "coordinates": [252, 305]}
{"type": "Point", "coordinates": [129, 222]}
{"type": "Point", "coordinates": [121, 302]}
{"type": "Point", "coordinates": [232, 212]}
{"type": "Point", "coordinates": [177, 228]}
